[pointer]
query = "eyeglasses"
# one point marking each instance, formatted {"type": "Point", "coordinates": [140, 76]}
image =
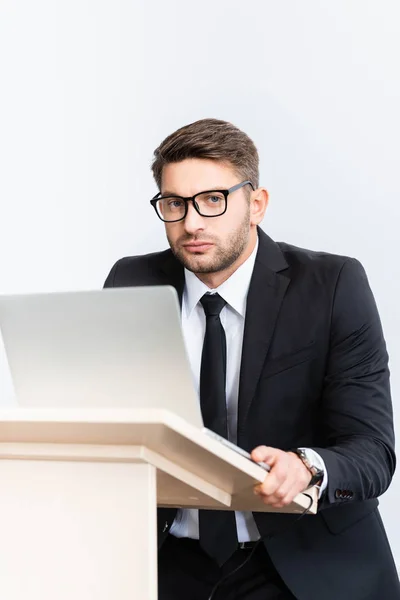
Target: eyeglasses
{"type": "Point", "coordinates": [211, 203]}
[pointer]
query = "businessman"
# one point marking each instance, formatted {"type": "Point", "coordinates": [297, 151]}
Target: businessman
{"type": "Point", "coordinates": [289, 359]}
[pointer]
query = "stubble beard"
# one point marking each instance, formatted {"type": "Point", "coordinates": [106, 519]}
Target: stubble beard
{"type": "Point", "coordinates": [223, 257]}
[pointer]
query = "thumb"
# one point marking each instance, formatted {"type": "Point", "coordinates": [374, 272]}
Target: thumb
{"type": "Point", "coordinates": [265, 454]}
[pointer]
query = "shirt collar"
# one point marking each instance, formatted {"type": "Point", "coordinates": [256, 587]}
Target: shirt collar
{"type": "Point", "coordinates": [233, 290]}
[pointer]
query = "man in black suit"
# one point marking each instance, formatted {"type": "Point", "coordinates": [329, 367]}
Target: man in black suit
{"type": "Point", "coordinates": [288, 355]}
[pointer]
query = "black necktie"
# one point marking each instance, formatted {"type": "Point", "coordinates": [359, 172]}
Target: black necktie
{"type": "Point", "coordinates": [217, 528]}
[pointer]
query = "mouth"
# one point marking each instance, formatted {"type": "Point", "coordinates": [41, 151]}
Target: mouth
{"type": "Point", "coordinates": [197, 246]}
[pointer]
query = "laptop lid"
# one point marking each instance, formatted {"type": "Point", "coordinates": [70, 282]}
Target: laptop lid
{"type": "Point", "coordinates": [118, 347]}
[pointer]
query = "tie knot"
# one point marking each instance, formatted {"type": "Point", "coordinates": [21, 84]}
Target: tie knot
{"type": "Point", "coordinates": [212, 304]}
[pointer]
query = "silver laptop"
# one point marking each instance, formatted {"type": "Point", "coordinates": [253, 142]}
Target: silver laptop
{"type": "Point", "coordinates": [118, 347]}
{"type": "Point", "coordinates": [107, 348]}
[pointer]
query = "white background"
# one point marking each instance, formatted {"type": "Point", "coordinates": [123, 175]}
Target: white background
{"type": "Point", "coordinates": [88, 89]}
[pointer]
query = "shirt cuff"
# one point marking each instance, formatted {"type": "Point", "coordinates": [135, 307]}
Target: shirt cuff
{"type": "Point", "coordinates": [317, 460]}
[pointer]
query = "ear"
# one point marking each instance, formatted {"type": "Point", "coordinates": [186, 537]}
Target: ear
{"type": "Point", "coordinates": [258, 205]}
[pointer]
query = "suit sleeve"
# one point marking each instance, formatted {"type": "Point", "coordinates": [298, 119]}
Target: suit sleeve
{"type": "Point", "coordinates": [356, 417]}
{"type": "Point", "coordinates": [110, 281]}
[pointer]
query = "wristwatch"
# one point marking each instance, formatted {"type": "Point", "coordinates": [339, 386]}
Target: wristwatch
{"type": "Point", "coordinates": [317, 475]}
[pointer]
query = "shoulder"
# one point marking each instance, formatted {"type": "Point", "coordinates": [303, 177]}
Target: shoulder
{"type": "Point", "coordinates": [337, 281]}
{"type": "Point", "coordinates": [131, 270]}
{"type": "Point", "coordinates": [319, 263]}
{"type": "Point", "coordinates": [154, 259]}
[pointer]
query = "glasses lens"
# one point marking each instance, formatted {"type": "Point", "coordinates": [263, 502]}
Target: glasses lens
{"type": "Point", "coordinates": [211, 204]}
{"type": "Point", "coordinates": [171, 209]}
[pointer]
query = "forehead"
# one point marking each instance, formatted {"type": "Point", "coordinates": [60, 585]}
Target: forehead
{"type": "Point", "coordinates": [194, 175]}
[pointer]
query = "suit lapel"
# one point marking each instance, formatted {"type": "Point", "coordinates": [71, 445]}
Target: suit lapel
{"type": "Point", "coordinates": [264, 300]}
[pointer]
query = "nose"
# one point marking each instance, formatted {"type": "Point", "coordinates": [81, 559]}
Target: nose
{"type": "Point", "coordinates": [193, 221]}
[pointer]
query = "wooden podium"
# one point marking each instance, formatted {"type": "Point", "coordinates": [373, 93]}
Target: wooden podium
{"type": "Point", "coordinates": [79, 490]}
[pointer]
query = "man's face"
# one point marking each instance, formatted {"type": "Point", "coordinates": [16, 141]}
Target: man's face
{"type": "Point", "coordinates": [204, 244]}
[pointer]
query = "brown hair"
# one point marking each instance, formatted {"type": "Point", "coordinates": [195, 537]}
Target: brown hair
{"type": "Point", "coordinates": [211, 139]}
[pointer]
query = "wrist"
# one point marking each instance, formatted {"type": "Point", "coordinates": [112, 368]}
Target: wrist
{"type": "Point", "coordinates": [316, 474]}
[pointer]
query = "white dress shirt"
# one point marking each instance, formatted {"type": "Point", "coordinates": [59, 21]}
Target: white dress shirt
{"type": "Point", "coordinates": [234, 291]}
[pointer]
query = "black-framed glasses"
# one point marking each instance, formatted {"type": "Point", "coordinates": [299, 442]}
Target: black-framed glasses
{"type": "Point", "coordinates": [211, 203]}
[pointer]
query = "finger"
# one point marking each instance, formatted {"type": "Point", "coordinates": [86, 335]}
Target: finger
{"type": "Point", "coordinates": [268, 488]}
{"type": "Point", "coordinates": [277, 492]}
{"type": "Point", "coordinates": [282, 492]}
{"type": "Point", "coordinates": [276, 478]}
{"type": "Point", "coordinates": [266, 454]}
{"type": "Point", "coordinates": [284, 497]}
{"type": "Point", "coordinates": [281, 498]}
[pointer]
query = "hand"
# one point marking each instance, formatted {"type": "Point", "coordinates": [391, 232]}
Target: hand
{"type": "Point", "coordinates": [287, 478]}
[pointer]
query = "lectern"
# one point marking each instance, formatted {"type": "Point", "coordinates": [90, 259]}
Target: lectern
{"type": "Point", "coordinates": [79, 491]}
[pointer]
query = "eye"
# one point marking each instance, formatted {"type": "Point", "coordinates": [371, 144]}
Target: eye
{"type": "Point", "coordinates": [175, 203]}
{"type": "Point", "coordinates": [214, 198]}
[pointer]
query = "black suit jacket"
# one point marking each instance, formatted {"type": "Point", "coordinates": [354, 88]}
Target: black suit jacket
{"type": "Point", "coordinates": [314, 373]}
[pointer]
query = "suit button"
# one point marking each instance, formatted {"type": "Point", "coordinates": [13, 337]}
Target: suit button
{"type": "Point", "coordinates": [338, 494]}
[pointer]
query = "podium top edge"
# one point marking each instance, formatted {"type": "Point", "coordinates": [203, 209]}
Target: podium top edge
{"type": "Point", "coordinates": [87, 415]}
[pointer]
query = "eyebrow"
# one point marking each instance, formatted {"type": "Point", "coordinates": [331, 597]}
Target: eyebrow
{"type": "Point", "coordinates": [168, 193]}
{"type": "Point", "coordinates": [212, 189]}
